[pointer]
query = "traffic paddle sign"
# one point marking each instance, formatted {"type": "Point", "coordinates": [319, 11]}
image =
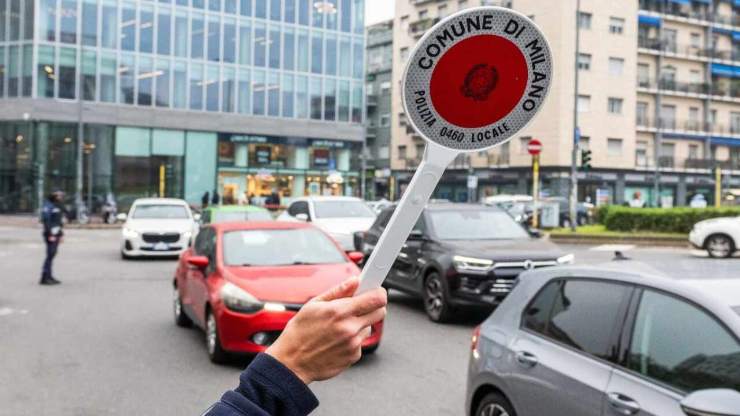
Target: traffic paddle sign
{"type": "Point", "coordinates": [473, 80]}
{"type": "Point", "coordinates": [534, 147]}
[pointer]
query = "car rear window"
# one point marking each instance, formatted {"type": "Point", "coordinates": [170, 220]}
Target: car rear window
{"type": "Point", "coordinates": [226, 216]}
{"type": "Point", "coordinates": [342, 209]}
{"type": "Point", "coordinates": [279, 248]}
{"type": "Point", "coordinates": [469, 224]}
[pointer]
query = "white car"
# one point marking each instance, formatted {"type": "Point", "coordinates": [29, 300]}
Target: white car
{"type": "Point", "coordinates": [338, 216]}
{"type": "Point", "coordinates": [720, 237]}
{"type": "Point", "coordinates": [157, 227]}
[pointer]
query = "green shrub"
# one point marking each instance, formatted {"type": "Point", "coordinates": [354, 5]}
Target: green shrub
{"type": "Point", "coordinates": [669, 220]}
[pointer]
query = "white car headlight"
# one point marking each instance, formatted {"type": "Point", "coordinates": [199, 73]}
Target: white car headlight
{"type": "Point", "coordinates": [130, 233]}
{"type": "Point", "coordinates": [238, 299]}
{"type": "Point", "coordinates": [567, 259]}
{"type": "Point", "coordinates": [463, 263]}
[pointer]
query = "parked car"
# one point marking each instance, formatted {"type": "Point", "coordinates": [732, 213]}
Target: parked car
{"type": "Point", "coordinates": [242, 282]}
{"type": "Point", "coordinates": [228, 213]}
{"type": "Point", "coordinates": [157, 227]}
{"type": "Point", "coordinates": [720, 237]}
{"type": "Point", "coordinates": [339, 216]}
{"type": "Point", "coordinates": [600, 341]}
{"type": "Point", "coordinates": [463, 255]}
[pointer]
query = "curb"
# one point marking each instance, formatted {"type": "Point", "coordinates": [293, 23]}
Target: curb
{"type": "Point", "coordinates": [638, 241]}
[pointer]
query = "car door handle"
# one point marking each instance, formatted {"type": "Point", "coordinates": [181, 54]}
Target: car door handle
{"type": "Point", "coordinates": [623, 404]}
{"type": "Point", "coordinates": [526, 359]}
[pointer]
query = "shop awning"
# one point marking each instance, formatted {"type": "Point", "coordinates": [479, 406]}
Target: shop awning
{"type": "Point", "coordinates": [726, 141]}
{"type": "Point", "coordinates": [737, 2]}
{"type": "Point", "coordinates": [703, 1]}
{"type": "Point", "coordinates": [649, 20]}
{"type": "Point", "coordinates": [680, 1]}
{"type": "Point", "coordinates": [726, 70]}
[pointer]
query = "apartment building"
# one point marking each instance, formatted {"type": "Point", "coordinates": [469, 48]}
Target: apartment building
{"type": "Point", "coordinates": [657, 101]}
{"type": "Point", "coordinates": [379, 70]}
{"type": "Point", "coordinates": [180, 97]}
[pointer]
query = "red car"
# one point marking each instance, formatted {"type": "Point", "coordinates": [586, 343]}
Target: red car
{"type": "Point", "coordinates": [242, 282]}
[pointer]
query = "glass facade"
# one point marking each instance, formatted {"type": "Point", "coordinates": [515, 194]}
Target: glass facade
{"type": "Point", "coordinates": [283, 59]}
{"type": "Point", "coordinates": [235, 56]}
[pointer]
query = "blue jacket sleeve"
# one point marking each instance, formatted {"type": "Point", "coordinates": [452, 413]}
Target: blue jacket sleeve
{"type": "Point", "coordinates": [266, 388]}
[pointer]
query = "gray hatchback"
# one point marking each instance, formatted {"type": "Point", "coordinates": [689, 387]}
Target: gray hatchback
{"type": "Point", "coordinates": [578, 341]}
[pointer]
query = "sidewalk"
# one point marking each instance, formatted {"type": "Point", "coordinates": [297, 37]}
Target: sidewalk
{"type": "Point", "coordinates": [32, 221]}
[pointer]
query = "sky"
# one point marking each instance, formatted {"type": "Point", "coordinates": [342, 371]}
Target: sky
{"type": "Point", "coordinates": [378, 10]}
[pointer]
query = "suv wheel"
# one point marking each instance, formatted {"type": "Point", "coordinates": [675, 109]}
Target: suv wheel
{"type": "Point", "coordinates": [493, 404]}
{"type": "Point", "coordinates": [213, 344]}
{"type": "Point", "coordinates": [436, 302]}
{"type": "Point", "coordinates": [181, 319]}
{"type": "Point", "coordinates": [719, 246]}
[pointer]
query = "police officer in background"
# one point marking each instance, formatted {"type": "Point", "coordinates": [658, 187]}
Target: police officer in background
{"type": "Point", "coordinates": [51, 215]}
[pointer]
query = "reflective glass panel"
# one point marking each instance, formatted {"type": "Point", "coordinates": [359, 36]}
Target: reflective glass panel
{"type": "Point", "coordinates": [145, 77]}
{"type": "Point", "coordinates": [162, 81]}
{"type": "Point", "coordinates": [317, 55]}
{"type": "Point", "coordinates": [304, 9]}
{"type": "Point", "coordinates": [229, 51]}
{"type": "Point", "coordinates": [358, 14]}
{"type": "Point", "coordinates": [316, 98]}
{"type": "Point", "coordinates": [260, 41]}
{"type": "Point", "coordinates": [227, 90]}
{"type": "Point", "coordinates": [258, 92]}
{"type": "Point", "coordinates": [330, 99]}
{"type": "Point", "coordinates": [181, 34]}
{"type": "Point", "coordinates": [214, 5]}
{"type": "Point", "coordinates": [68, 22]}
{"type": "Point", "coordinates": [146, 28]}
{"type": "Point", "coordinates": [330, 67]}
{"type": "Point", "coordinates": [212, 86]}
{"type": "Point", "coordinates": [317, 15]}
{"type": "Point", "coordinates": [214, 38]}
{"type": "Point", "coordinates": [89, 22]}
{"type": "Point", "coordinates": [273, 94]}
{"type": "Point", "coordinates": [67, 72]}
{"type": "Point", "coordinates": [164, 30]}
{"type": "Point", "coordinates": [345, 57]}
{"type": "Point", "coordinates": [196, 86]}
{"type": "Point", "coordinates": [357, 96]}
{"type": "Point", "coordinates": [245, 7]}
{"type": "Point", "coordinates": [196, 36]}
{"type": "Point", "coordinates": [27, 70]}
{"type": "Point", "coordinates": [260, 9]}
{"type": "Point", "coordinates": [274, 47]}
{"type": "Point", "coordinates": [275, 10]}
{"type": "Point", "coordinates": [245, 42]}
{"type": "Point", "coordinates": [358, 67]}
{"type": "Point", "coordinates": [343, 112]}
{"type": "Point", "coordinates": [301, 96]}
{"type": "Point", "coordinates": [14, 69]}
{"type": "Point", "coordinates": [288, 49]}
{"type": "Point", "coordinates": [287, 89]}
{"type": "Point", "coordinates": [2, 68]}
{"type": "Point", "coordinates": [128, 27]}
{"type": "Point", "coordinates": [109, 26]}
{"type": "Point", "coordinates": [180, 85]}
{"type": "Point", "coordinates": [331, 15]}
{"type": "Point", "coordinates": [303, 51]}
{"type": "Point", "coordinates": [89, 65]}
{"type": "Point", "coordinates": [46, 73]}
{"type": "Point", "coordinates": [14, 15]}
{"type": "Point", "coordinates": [244, 91]}
{"type": "Point", "coordinates": [230, 6]}
{"type": "Point", "coordinates": [126, 79]}
{"type": "Point", "coordinates": [289, 16]}
{"type": "Point", "coordinates": [47, 23]}
{"type": "Point", "coordinates": [108, 77]}
{"type": "Point", "coordinates": [346, 18]}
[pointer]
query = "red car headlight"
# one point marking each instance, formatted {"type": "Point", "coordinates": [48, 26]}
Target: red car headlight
{"type": "Point", "coordinates": [239, 300]}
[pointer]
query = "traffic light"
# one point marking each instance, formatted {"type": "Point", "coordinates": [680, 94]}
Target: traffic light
{"type": "Point", "coordinates": [585, 160]}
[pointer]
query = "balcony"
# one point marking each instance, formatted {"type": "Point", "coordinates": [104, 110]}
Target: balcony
{"type": "Point", "coordinates": [666, 162]}
{"type": "Point", "coordinates": [708, 164]}
{"type": "Point", "coordinates": [411, 163]}
{"type": "Point", "coordinates": [701, 89]}
{"type": "Point", "coordinates": [695, 11]}
{"type": "Point", "coordinates": [685, 126]}
{"type": "Point", "coordinates": [372, 100]}
{"type": "Point", "coordinates": [418, 27]}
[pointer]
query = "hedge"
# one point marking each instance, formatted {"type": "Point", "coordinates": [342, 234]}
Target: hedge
{"type": "Point", "coordinates": [668, 220]}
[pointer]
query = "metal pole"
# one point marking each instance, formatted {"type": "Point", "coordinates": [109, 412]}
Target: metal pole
{"type": "Point", "coordinates": [573, 200]}
{"type": "Point", "coordinates": [90, 151]}
{"type": "Point", "coordinates": [658, 117]}
{"type": "Point", "coordinates": [80, 149]}
{"type": "Point", "coordinates": [717, 186]}
{"type": "Point", "coordinates": [536, 190]}
{"type": "Point", "coordinates": [363, 167]}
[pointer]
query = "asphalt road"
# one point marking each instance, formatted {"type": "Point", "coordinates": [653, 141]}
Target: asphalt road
{"type": "Point", "coordinates": [104, 343]}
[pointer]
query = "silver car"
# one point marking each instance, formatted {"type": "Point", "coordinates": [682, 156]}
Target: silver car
{"type": "Point", "coordinates": [578, 341]}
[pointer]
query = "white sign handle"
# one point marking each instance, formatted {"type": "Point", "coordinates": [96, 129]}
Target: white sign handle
{"type": "Point", "coordinates": [435, 161]}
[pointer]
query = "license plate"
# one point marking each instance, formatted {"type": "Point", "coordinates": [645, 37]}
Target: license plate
{"type": "Point", "coordinates": [161, 246]}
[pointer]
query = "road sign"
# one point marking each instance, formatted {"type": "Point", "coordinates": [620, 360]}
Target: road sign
{"type": "Point", "coordinates": [534, 147]}
{"type": "Point", "coordinates": [472, 181]}
{"type": "Point", "coordinates": [474, 79]}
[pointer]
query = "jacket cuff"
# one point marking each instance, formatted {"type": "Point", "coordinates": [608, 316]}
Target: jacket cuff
{"type": "Point", "coordinates": [281, 379]}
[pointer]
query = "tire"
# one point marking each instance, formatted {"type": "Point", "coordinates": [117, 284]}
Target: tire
{"type": "Point", "coordinates": [371, 349]}
{"type": "Point", "coordinates": [436, 299]}
{"type": "Point", "coordinates": [494, 404]}
{"type": "Point", "coordinates": [181, 318]}
{"type": "Point", "coordinates": [719, 246]}
{"type": "Point", "coordinates": [125, 256]}
{"type": "Point", "coordinates": [216, 353]}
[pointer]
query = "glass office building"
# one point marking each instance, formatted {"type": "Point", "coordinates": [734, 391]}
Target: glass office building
{"type": "Point", "coordinates": [179, 97]}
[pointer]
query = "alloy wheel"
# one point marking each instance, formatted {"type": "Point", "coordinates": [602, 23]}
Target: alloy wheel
{"type": "Point", "coordinates": [211, 334]}
{"type": "Point", "coordinates": [493, 409]}
{"type": "Point", "coordinates": [434, 300]}
{"type": "Point", "coordinates": [719, 246]}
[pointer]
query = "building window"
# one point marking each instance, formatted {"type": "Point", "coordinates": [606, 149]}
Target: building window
{"type": "Point", "coordinates": [693, 151]}
{"type": "Point", "coordinates": [423, 14]}
{"type": "Point", "coordinates": [404, 54]}
{"type": "Point", "coordinates": [643, 75]}
{"type": "Point", "coordinates": [695, 76]}
{"type": "Point", "coordinates": [584, 61]}
{"type": "Point", "coordinates": [385, 120]}
{"type": "Point", "coordinates": [642, 114]}
{"type": "Point", "coordinates": [616, 25]}
{"type": "Point", "coordinates": [385, 87]}
{"type": "Point", "coordinates": [615, 105]}
{"type": "Point", "coordinates": [616, 66]}
{"type": "Point", "coordinates": [668, 116]}
{"type": "Point", "coordinates": [693, 123]}
{"type": "Point", "coordinates": [523, 144]}
{"type": "Point", "coordinates": [462, 4]}
{"type": "Point", "coordinates": [614, 147]}
{"type": "Point", "coordinates": [442, 11]}
{"type": "Point", "coordinates": [584, 103]}
{"type": "Point", "coordinates": [419, 151]}
{"type": "Point", "coordinates": [695, 40]}
{"type": "Point", "coordinates": [734, 123]}
{"type": "Point", "coordinates": [584, 143]}
{"type": "Point", "coordinates": [402, 152]}
{"type": "Point", "coordinates": [404, 23]}
{"type": "Point", "coordinates": [584, 20]}
{"type": "Point", "coordinates": [641, 159]}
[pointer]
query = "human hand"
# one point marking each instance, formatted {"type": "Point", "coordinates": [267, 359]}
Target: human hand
{"type": "Point", "coordinates": [325, 337]}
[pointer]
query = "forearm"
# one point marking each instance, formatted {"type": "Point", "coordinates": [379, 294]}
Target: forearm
{"type": "Point", "coordinates": [266, 388]}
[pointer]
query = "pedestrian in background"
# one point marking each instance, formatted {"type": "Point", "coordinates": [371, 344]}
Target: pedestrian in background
{"type": "Point", "coordinates": [216, 198]}
{"type": "Point", "coordinates": [204, 200]}
{"type": "Point", "coordinates": [51, 216]}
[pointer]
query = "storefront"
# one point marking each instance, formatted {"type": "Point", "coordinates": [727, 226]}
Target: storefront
{"type": "Point", "coordinates": [132, 162]}
{"type": "Point", "coordinates": [257, 166]}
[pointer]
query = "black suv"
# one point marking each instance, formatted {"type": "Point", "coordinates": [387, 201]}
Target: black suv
{"type": "Point", "coordinates": [462, 255]}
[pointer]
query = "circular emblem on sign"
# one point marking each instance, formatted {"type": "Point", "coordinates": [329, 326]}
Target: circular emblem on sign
{"type": "Point", "coordinates": [476, 78]}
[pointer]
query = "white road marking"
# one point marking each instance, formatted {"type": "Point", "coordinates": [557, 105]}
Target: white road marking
{"type": "Point", "coordinates": [613, 247]}
{"type": "Point", "coordinates": [11, 311]}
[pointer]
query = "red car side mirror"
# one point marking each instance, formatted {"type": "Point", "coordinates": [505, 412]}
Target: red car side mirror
{"type": "Point", "coordinates": [356, 256]}
{"type": "Point", "coordinates": [200, 262]}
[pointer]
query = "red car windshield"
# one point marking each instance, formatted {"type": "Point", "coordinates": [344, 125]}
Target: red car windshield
{"type": "Point", "coordinates": [279, 248]}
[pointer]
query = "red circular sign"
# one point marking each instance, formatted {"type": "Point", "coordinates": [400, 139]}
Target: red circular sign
{"type": "Point", "coordinates": [479, 81]}
{"type": "Point", "coordinates": [534, 147]}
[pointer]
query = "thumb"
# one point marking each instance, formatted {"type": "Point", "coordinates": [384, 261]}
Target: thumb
{"type": "Point", "coordinates": [344, 290]}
